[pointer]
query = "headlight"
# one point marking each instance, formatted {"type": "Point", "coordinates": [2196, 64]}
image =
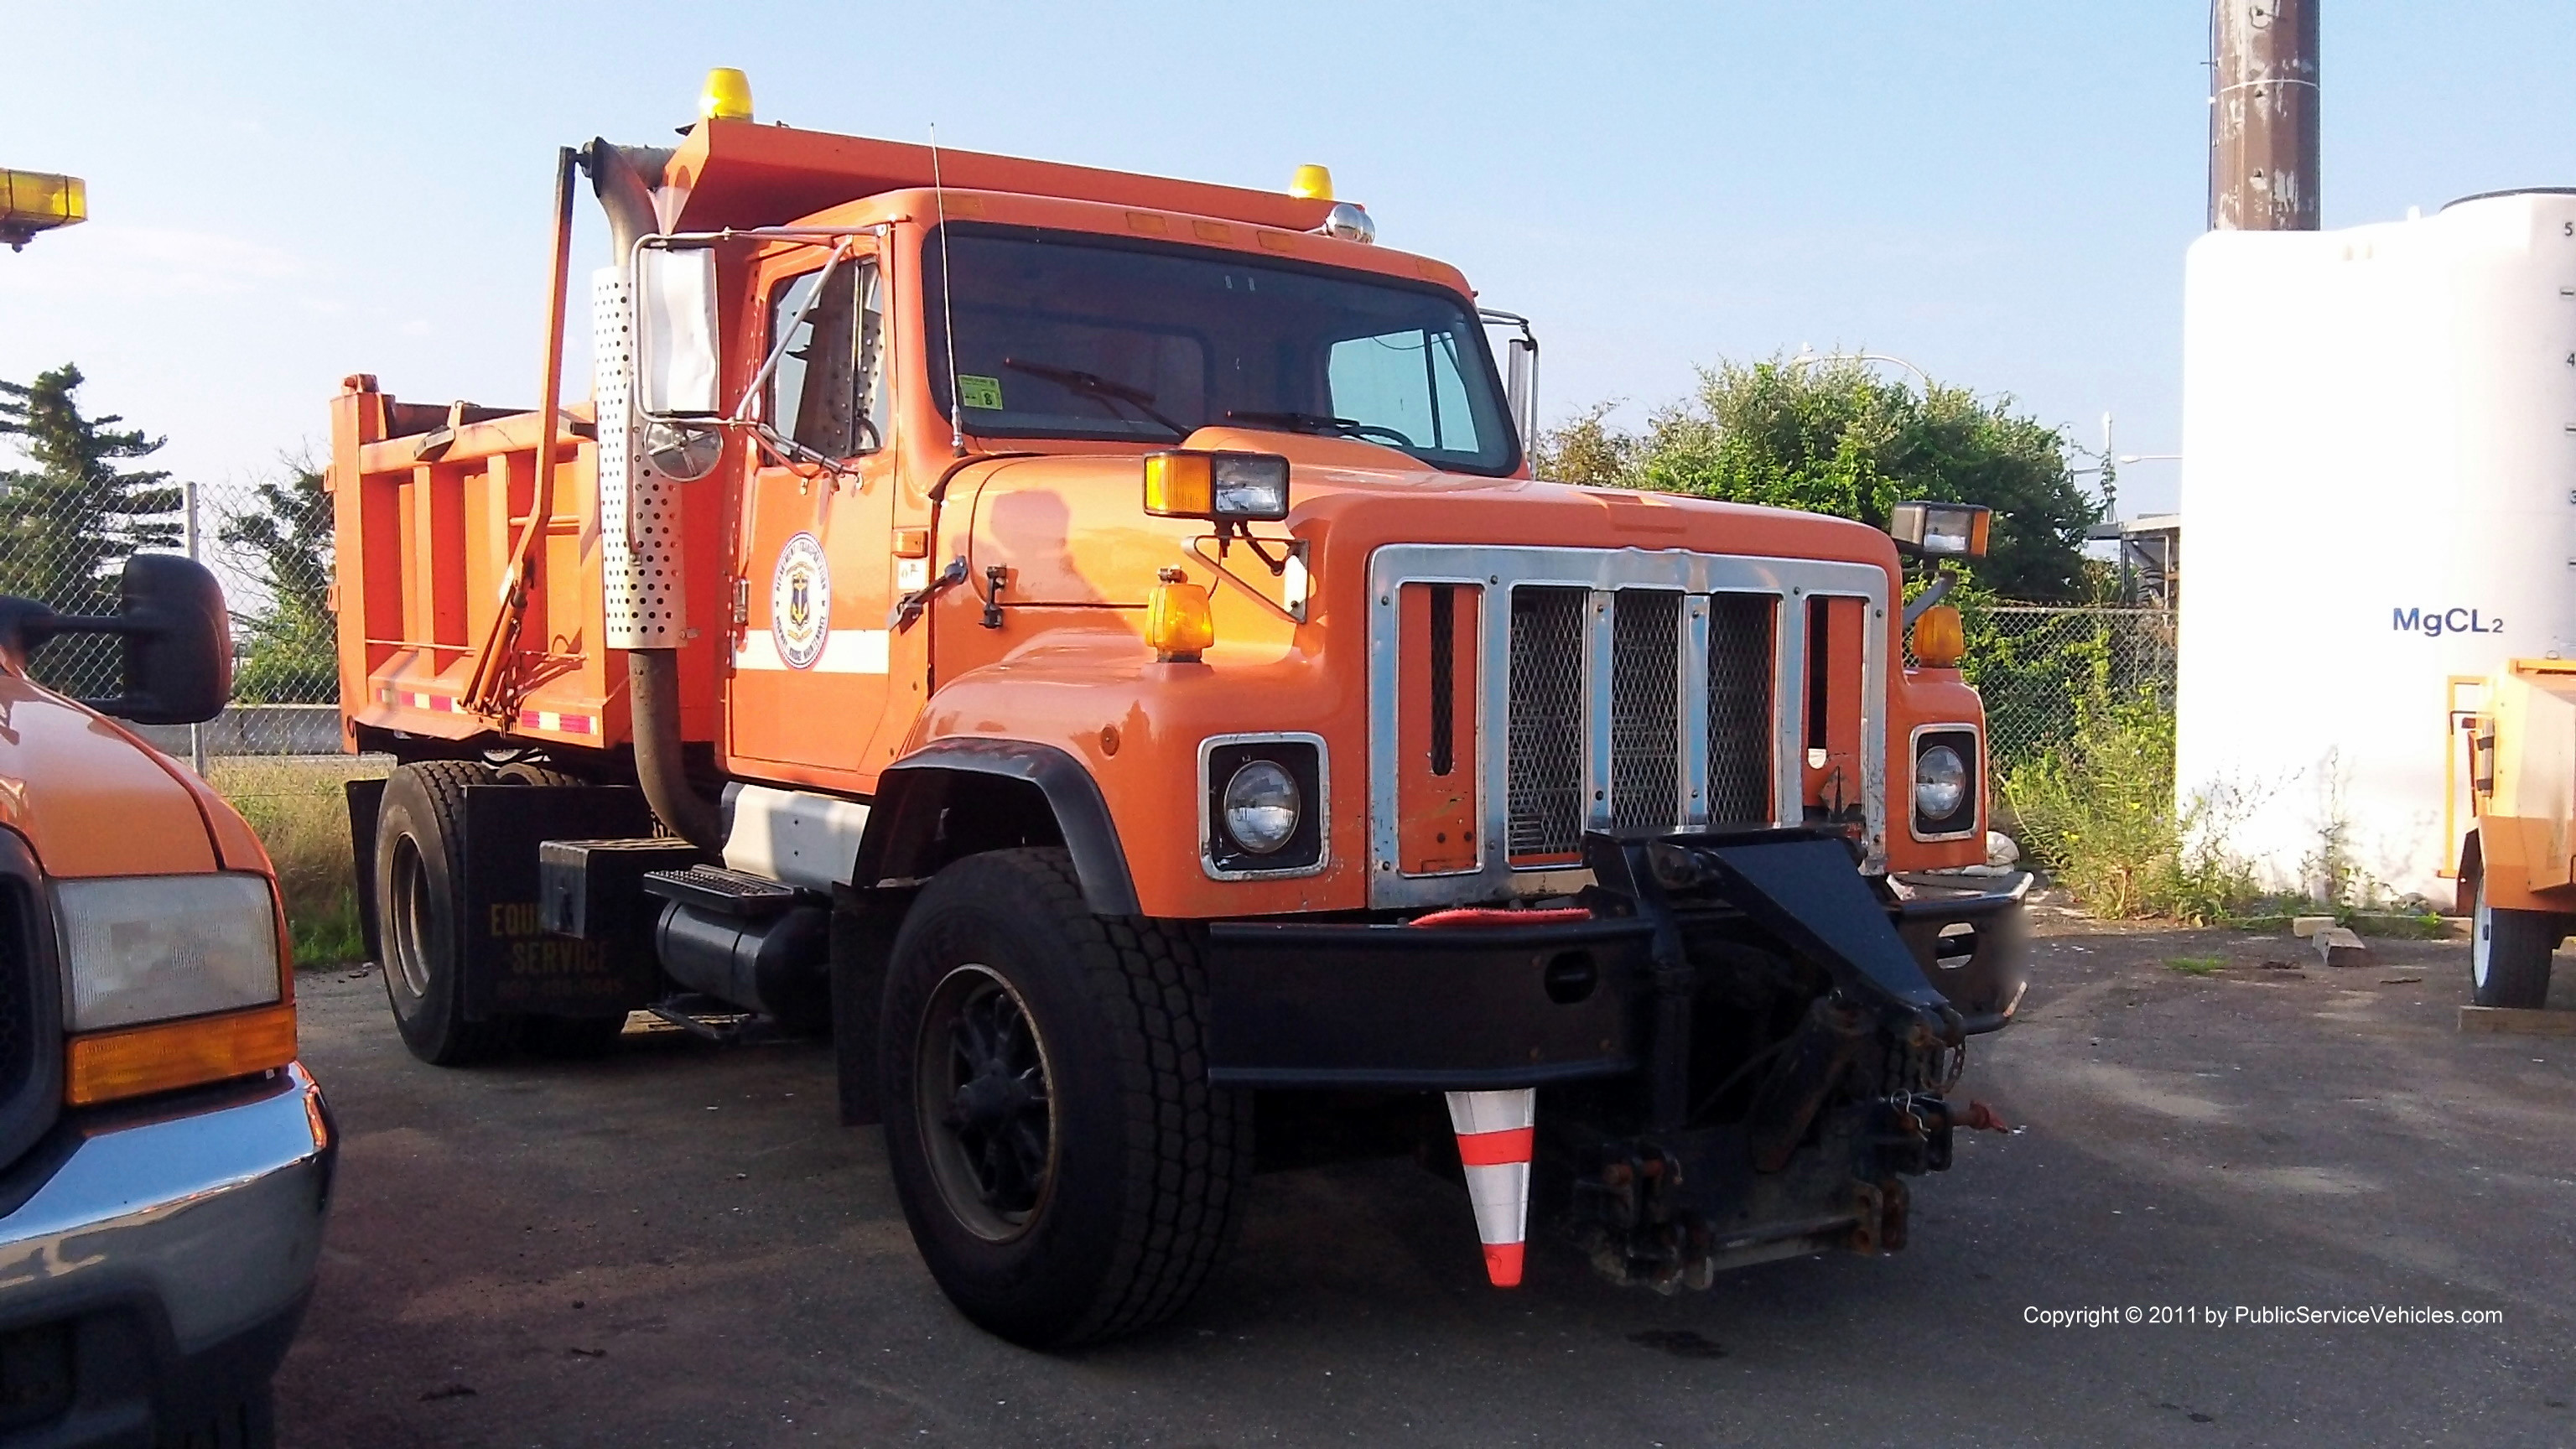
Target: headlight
{"type": "Point", "coordinates": [1250, 485]}
{"type": "Point", "coordinates": [1262, 806]}
{"type": "Point", "coordinates": [1940, 783]}
{"type": "Point", "coordinates": [149, 948]}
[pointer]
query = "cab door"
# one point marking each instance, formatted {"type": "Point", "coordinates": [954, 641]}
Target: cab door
{"type": "Point", "coordinates": [809, 657]}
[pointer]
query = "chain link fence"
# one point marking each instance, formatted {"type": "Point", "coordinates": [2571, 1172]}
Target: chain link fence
{"type": "Point", "coordinates": [2033, 663]}
{"type": "Point", "coordinates": [269, 542]}
{"type": "Point", "coordinates": [64, 541]}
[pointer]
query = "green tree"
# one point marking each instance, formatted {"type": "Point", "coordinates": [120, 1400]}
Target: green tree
{"type": "Point", "coordinates": [292, 654]}
{"type": "Point", "coordinates": [1833, 437]}
{"type": "Point", "coordinates": [67, 524]}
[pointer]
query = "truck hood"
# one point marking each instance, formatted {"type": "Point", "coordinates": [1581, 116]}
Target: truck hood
{"type": "Point", "coordinates": [89, 797]}
{"type": "Point", "coordinates": [1072, 529]}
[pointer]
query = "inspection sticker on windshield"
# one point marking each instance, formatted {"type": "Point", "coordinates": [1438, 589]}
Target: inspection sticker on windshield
{"type": "Point", "coordinates": [980, 392]}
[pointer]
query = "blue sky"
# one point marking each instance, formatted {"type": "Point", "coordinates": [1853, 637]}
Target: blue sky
{"type": "Point", "coordinates": [2000, 192]}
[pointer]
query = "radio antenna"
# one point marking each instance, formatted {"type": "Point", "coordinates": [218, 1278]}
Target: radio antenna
{"type": "Point", "coordinates": [947, 314]}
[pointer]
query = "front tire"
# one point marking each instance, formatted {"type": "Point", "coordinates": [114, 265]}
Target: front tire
{"type": "Point", "coordinates": [419, 885]}
{"type": "Point", "coordinates": [2509, 953]}
{"type": "Point", "coordinates": [1067, 1171]}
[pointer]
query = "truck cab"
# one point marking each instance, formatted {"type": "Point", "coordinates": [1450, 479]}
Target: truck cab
{"type": "Point", "coordinates": [1095, 642]}
{"type": "Point", "coordinates": [164, 1159]}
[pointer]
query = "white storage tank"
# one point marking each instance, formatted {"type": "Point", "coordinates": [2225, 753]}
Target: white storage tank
{"type": "Point", "coordinates": [2379, 481]}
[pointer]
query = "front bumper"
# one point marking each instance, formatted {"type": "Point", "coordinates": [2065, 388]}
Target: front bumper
{"type": "Point", "coordinates": [155, 1260]}
{"type": "Point", "coordinates": [1301, 1004]}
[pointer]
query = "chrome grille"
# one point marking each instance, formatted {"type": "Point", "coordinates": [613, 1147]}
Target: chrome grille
{"type": "Point", "coordinates": [1740, 725]}
{"type": "Point", "coordinates": [1566, 722]}
{"type": "Point", "coordinates": [1645, 710]}
{"type": "Point", "coordinates": [1544, 753]}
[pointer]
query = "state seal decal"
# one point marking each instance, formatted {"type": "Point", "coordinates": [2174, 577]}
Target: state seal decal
{"type": "Point", "coordinates": [800, 602]}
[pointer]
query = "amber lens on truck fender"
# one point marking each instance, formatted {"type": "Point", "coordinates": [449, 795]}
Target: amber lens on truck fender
{"type": "Point", "coordinates": [1939, 638]}
{"type": "Point", "coordinates": [173, 1054]}
{"type": "Point", "coordinates": [1180, 485]}
{"type": "Point", "coordinates": [1180, 622]}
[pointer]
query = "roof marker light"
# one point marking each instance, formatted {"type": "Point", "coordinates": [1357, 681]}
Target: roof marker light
{"type": "Point", "coordinates": [1349, 223]}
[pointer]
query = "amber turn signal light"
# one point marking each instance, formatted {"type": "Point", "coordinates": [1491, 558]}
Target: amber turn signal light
{"type": "Point", "coordinates": [1939, 638]}
{"type": "Point", "coordinates": [168, 1055]}
{"type": "Point", "coordinates": [1179, 621]}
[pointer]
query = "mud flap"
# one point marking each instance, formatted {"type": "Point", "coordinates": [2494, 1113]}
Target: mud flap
{"type": "Point", "coordinates": [365, 798]}
{"type": "Point", "coordinates": [512, 964]}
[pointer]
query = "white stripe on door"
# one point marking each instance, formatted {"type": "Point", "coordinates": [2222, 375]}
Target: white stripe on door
{"type": "Point", "coordinates": [847, 651]}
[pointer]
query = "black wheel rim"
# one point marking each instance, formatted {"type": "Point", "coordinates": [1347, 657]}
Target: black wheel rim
{"type": "Point", "coordinates": [407, 917]}
{"type": "Point", "coordinates": [987, 1114]}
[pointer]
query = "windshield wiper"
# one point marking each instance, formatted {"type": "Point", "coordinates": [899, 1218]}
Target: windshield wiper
{"type": "Point", "coordinates": [1321, 423]}
{"type": "Point", "coordinates": [1100, 387]}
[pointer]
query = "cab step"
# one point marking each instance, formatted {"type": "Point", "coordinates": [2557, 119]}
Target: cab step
{"type": "Point", "coordinates": [723, 892]}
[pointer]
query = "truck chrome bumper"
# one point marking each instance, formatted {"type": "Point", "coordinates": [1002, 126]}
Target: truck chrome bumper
{"type": "Point", "coordinates": [168, 1248]}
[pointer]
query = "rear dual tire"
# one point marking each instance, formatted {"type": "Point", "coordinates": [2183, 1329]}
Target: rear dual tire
{"type": "Point", "coordinates": [1067, 1171]}
{"type": "Point", "coordinates": [421, 927]}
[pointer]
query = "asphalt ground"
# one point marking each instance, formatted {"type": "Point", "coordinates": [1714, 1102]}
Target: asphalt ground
{"type": "Point", "coordinates": [677, 1245]}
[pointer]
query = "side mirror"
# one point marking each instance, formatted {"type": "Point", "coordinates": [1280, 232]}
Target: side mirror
{"type": "Point", "coordinates": [1940, 530]}
{"type": "Point", "coordinates": [178, 640]}
{"type": "Point", "coordinates": [677, 375]}
{"type": "Point", "coordinates": [178, 643]}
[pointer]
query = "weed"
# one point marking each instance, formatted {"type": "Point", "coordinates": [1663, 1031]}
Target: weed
{"type": "Point", "coordinates": [296, 807]}
{"type": "Point", "coordinates": [2197, 965]}
{"type": "Point", "coordinates": [2099, 815]}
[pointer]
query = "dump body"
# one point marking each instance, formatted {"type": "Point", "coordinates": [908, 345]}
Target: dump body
{"type": "Point", "coordinates": [1412, 775]}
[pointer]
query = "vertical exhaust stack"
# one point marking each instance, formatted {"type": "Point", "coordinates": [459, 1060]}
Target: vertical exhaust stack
{"type": "Point", "coordinates": [2263, 146]}
{"type": "Point", "coordinates": [639, 513]}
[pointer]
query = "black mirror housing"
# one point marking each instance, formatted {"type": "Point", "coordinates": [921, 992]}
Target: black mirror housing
{"type": "Point", "coordinates": [177, 640]}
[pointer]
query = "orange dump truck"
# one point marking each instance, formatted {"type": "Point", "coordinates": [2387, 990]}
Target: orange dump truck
{"type": "Point", "coordinates": [1094, 644]}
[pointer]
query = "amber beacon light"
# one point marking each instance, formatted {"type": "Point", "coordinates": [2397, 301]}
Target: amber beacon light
{"type": "Point", "coordinates": [1179, 620]}
{"type": "Point", "coordinates": [1940, 639]}
{"type": "Point", "coordinates": [726, 97]}
{"type": "Point", "coordinates": [34, 201]}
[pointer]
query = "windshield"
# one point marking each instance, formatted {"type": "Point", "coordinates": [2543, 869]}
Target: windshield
{"type": "Point", "coordinates": [1070, 335]}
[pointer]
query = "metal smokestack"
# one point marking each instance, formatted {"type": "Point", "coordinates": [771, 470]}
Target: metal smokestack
{"type": "Point", "coordinates": [2263, 115]}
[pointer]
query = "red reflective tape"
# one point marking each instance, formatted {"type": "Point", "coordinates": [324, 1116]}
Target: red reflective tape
{"type": "Point", "coordinates": [576, 724]}
{"type": "Point", "coordinates": [1496, 1149]}
{"type": "Point", "coordinates": [529, 719]}
{"type": "Point", "coordinates": [1503, 1264]}
{"type": "Point", "coordinates": [1485, 916]}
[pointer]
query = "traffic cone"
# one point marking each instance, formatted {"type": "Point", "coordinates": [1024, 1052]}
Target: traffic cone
{"type": "Point", "coordinates": [1496, 1131]}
